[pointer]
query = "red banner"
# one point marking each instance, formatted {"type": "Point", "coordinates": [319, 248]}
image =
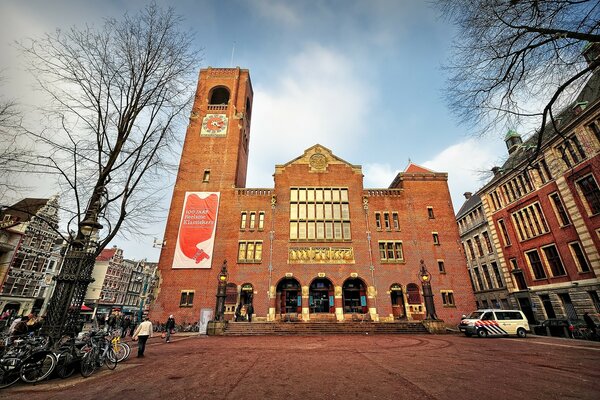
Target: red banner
{"type": "Point", "coordinates": [196, 237]}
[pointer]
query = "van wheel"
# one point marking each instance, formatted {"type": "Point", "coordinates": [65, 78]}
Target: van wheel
{"type": "Point", "coordinates": [522, 333]}
{"type": "Point", "coordinates": [482, 333]}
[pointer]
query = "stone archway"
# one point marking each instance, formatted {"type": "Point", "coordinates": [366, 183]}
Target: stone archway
{"type": "Point", "coordinates": [321, 296]}
{"type": "Point", "coordinates": [288, 298]}
{"type": "Point", "coordinates": [354, 296]}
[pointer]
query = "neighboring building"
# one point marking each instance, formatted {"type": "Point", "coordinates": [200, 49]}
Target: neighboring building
{"type": "Point", "coordinates": [31, 250]}
{"type": "Point", "coordinates": [484, 266]}
{"type": "Point", "coordinates": [317, 245]}
{"type": "Point", "coordinates": [544, 215]}
{"type": "Point", "coordinates": [141, 287]}
{"type": "Point", "coordinates": [107, 292]}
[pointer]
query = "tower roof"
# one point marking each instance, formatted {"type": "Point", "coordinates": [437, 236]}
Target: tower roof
{"type": "Point", "coordinates": [417, 169]}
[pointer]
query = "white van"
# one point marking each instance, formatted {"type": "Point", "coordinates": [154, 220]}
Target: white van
{"type": "Point", "coordinates": [490, 322]}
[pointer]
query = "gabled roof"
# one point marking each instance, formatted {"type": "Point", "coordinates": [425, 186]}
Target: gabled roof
{"type": "Point", "coordinates": [317, 157]}
{"type": "Point", "coordinates": [468, 206]}
{"type": "Point", "coordinates": [106, 254]}
{"type": "Point", "coordinates": [417, 169]}
{"type": "Point", "coordinates": [589, 95]}
{"type": "Point", "coordinates": [24, 209]}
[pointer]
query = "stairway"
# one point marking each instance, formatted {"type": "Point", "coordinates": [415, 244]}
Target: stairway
{"type": "Point", "coordinates": [322, 328]}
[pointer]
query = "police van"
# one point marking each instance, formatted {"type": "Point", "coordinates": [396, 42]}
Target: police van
{"type": "Point", "coordinates": [490, 322]}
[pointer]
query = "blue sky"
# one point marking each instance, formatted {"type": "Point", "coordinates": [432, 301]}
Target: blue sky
{"type": "Point", "coordinates": [363, 78]}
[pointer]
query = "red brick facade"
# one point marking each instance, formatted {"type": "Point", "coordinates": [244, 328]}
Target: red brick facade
{"type": "Point", "coordinates": [336, 278]}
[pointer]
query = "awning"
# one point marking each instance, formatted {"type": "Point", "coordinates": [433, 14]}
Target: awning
{"type": "Point", "coordinates": [85, 308]}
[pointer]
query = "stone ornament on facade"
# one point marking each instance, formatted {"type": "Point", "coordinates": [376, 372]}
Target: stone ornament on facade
{"type": "Point", "coordinates": [321, 255]}
{"type": "Point", "coordinates": [318, 161]}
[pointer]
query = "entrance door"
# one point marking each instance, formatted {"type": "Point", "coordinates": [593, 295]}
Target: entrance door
{"type": "Point", "coordinates": [355, 297]}
{"type": "Point", "coordinates": [397, 301]}
{"type": "Point", "coordinates": [321, 296]}
{"type": "Point", "coordinates": [548, 306]}
{"type": "Point", "coordinates": [525, 305]}
{"type": "Point", "coordinates": [288, 299]}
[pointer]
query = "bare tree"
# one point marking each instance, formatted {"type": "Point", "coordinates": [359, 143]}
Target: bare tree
{"type": "Point", "coordinates": [114, 99]}
{"type": "Point", "coordinates": [10, 118]}
{"type": "Point", "coordinates": [517, 63]}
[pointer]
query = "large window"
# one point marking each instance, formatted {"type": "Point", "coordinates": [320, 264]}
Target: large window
{"type": "Point", "coordinates": [530, 221]}
{"type": "Point", "coordinates": [488, 242]}
{"type": "Point", "coordinates": [559, 209]}
{"type": "Point", "coordinates": [320, 214]}
{"type": "Point", "coordinates": [447, 298]}
{"type": "Point", "coordinates": [553, 258]}
{"type": "Point", "coordinates": [536, 264]}
{"type": "Point", "coordinates": [505, 236]}
{"type": "Point", "coordinates": [391, 252]}
{"type": "Point", "coordinates": [250, 252]}
{"type": "Point", "coordinates": [579, 257]}
{"type": "Point", "coordinates": [591, 193]}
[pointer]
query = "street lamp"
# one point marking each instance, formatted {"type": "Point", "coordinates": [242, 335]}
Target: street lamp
{"type": "Point", "coordinates": [221, 293]}
{"type": "Point", "coordinates": [75, 274]}
{"type": "Point", "coordinates": [425, 278]}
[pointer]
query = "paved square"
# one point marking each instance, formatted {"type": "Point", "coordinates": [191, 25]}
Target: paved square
{"type": "Point", "coordinates": [342, 367]}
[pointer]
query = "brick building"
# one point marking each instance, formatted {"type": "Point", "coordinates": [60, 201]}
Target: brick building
{"type": "Point", "coordinates": [483, 264]}
{"type": "Point", "coordinates": [544, 213]}
{"type": "Point", "coordinates": [30, 255]}
{"type": "Point", "coordinates": [317, 245]}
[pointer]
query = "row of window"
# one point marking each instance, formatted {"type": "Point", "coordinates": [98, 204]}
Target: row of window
{"type": "Point", "coordinates": [248, 219]}
{"type": "Point", "coordinates": [487, 241]}
{"type": "Point", "coordinates": [530, 221]}
{"type": "Point", "coordinates": [489, 283]}
{"type": "Point", "coordinates": [471, 218]}
{"type": "Point", "coordinates": [319, 214]}
{"type": "Point", "coordinates": [550, 261]}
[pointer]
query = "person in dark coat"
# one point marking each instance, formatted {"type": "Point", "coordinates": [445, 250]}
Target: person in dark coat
{"type": "Point", "coordinates": [125, 326]}
{"type": "Point", "coordinates": [169, 326]}
{"type": "Point", "coordinates": [249, 312]}
{"type": "Point", "coordinates": [238, 313]}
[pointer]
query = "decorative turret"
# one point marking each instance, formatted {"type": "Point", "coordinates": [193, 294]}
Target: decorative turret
{"type": "Point", "coordinates": [513, 141]}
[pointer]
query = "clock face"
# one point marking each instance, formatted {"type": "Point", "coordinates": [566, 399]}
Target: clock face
{"type": "Point", "coordinates": [214, 124]}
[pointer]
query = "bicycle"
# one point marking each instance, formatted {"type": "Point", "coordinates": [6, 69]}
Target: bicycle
{"type": "Point", "coordinates": [26, 359]}
{"type": "Point", "coordinates": [99, 351]}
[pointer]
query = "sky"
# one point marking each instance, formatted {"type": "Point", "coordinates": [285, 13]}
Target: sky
{"type": "Point", "coordinates": [362, 78]}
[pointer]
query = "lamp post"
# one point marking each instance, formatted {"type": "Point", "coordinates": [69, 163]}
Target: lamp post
{"type": "Point", "coordinates": [75, 275]}
{"type": "Point", "coordinates": [221, 293]}
{"type": "Point", "coordinates": [425, 279]}
{"type": "Point", "coordinates": [143, 295]}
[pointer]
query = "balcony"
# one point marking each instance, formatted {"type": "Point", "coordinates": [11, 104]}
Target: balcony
{"type": "Point", "coordinates": [217, 107]}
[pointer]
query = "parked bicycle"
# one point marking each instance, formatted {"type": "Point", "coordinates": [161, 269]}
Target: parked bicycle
{"type": "Point", "coordinates": [99, 351]}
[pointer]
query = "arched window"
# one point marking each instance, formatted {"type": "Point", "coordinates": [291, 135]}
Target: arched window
{"type": "Point", "coordinates": [219, 95]}
{"type": "Point", "coordinates": [413, 294]}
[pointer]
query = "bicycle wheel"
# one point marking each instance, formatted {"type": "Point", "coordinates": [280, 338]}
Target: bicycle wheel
{"type": "Point", "coordinates": [110, 359]}
{"type": "Point", "coordinates": [119, 351]}
{"type": "Point", "coordinates": [88, 364]}
{"type": "Point", "coordinates": [128, 349]}
{"type": "Point", "coordinates": [38, 366]}
{"type": "Point", "coordinates": [9, 371]}
{"type": "Point", "coordinates": [65, 364]}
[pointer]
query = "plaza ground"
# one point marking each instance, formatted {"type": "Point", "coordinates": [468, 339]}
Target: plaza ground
{"type": "Point", "coordinates": [342, 367]}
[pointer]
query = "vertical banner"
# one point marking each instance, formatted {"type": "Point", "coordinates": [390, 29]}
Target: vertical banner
{"type": "Point", "coordinates": [196, 237]}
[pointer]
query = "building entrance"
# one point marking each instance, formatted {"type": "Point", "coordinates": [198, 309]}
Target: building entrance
{"type": "Point", "coordinates": [355, 297]}
{"type": "Point", "coordinates": [321, 296]}
{"type": "Point", "coordinates": [289, 297]}
{"type": "Point", "coordinates": [397, 301]}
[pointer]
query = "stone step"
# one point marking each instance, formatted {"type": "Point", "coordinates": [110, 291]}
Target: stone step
{"type": "Point", "coordinates": [322, 328]}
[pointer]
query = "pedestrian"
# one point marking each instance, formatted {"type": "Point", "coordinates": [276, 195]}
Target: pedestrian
{"type": "Point", "coordinates": [249, 312]}
{"type": "Point", "coordinates": [126, 325]}
{"type": "Point", "coordinates": [112, 322]}
{"type": "Point", "coordinates": [20, 328]}
{"type": "Point", "coordinates": [142, 333]}
{"type": "Point", "coordinates": [238, 313]}
{"type": "Point", "coordinates": [101, 320]}
{"type": "Point", "coordinates": [169, 326]}
{"type": "Point", "coordinates": [589, 322]}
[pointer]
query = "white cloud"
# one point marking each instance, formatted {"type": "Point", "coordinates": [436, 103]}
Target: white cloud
{"type": "Point", "coordinates": [317, 100]}
{"type": "Point", "coordinates": [278, 11]}
{"type": "Point", "coordinates": [378, 175]}
{"type": "Point", "coordinates": [465, 162]}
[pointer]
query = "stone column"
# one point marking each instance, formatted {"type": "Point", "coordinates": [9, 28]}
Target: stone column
{"type": "Point", "coordinates": [305, 304]}
{"type": "Point", "coordinates": [371, 295]}
{"type": "Point", "coordinates": [272, 295]}
{"type": "Point", "coordinates": [339, 306]}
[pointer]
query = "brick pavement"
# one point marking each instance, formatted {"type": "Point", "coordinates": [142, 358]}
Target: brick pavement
{"type": "Point", "coordinates": [348, 367]}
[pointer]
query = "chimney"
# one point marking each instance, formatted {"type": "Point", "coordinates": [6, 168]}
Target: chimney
{"type": "Point", "coordinates": [467, 195]}
{"type": "Point", "coordinates": [496, 171]}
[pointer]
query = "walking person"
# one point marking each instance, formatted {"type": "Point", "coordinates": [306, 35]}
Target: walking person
{"type": "Point", "coordinates": [142, 333]}
{"type": "Point", "coordinates": [249, 312]}
{"type": "Point", "coordinates": [238, 313]}
{"type": "Point", "coordinates": [126, 325]}
{"type": "Point", "coordinates": [169, 326]}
